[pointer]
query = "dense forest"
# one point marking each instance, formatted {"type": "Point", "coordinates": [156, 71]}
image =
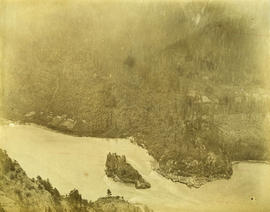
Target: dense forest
{"type": "Point", "coordinates": [186, 80]}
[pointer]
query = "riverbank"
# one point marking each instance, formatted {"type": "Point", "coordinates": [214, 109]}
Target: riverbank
{"type": "Point", "coordinates": [20, 193]}
{"type": "Point", "coordinates": [251, 161]}
{"type": "Point", "coordinates": [190, 181]}
{"type": "Point", "coordinates": [197, 182]}
{"type": "Point", "coordinates": [47, 153]}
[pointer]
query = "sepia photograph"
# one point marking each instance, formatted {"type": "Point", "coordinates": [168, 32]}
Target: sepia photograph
{"type": "Point", "coordinates": [134, 105]}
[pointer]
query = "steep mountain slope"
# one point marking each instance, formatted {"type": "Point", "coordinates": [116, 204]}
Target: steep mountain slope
{"type": "Point", "coordinates": [18, 192]}
{"type": "Point", "coordinates": [187, 82]}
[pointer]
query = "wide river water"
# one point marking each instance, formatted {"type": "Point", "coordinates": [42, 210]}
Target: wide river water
{"type": "Point", "coordinates": [78, 162]}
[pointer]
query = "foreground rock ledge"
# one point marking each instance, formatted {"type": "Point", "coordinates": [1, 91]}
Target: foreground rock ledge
{"type": "Point", "coordinates": [20, 193]}
{"type": "Point", "coordinates": [121, 171]}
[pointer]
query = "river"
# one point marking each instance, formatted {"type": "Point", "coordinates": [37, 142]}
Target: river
{"type": "Point", "coordinates": [78, 162]}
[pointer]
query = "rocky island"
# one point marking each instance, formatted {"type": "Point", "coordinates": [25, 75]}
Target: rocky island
{"type": "Point", "coordinates": [18, 192]}
{"type": "Point", "coordinates": [195, 110]}
{"type": "Point", "coordinates": [121, 171]}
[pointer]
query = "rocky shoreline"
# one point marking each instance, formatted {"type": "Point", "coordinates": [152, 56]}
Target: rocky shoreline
{"type": "Point", "coordinates": [119, 170]}
{"type": "Point", "coordinates": [251, 161]}
{"type": "Point", "coordinates": [20, 193]}
{"type": "Point", "coordinates": [191, 182]}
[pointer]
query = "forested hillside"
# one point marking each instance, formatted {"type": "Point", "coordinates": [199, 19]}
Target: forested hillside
{"type": "Point", "coordinates": [20, 193]}
{"type": "Point", "coordinates": [186, 80]}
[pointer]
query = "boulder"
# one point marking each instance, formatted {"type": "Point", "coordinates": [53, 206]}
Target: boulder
{"type": "Point", "coordinates": [69, 124]}
{"type": "Point", "coordinates": [30, 114]}
{"type": "Point", "coordinates": [142, 184]}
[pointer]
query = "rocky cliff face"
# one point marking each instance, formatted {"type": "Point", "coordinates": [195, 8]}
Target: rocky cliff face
{"type": "Point", "coordinates": [118, 169]}
{"type": "Point", "coordinates": [19, 193]}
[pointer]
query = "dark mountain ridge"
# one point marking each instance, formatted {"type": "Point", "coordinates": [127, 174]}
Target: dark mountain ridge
{"type": "Point", "coordinates": [190, 88]}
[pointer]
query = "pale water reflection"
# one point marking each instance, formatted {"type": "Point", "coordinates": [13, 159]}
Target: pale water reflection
{"type": "Point", "coordinates": [78, 162]}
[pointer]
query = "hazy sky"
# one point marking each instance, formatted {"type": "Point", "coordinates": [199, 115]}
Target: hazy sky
{"type": "Point", "coordinates": [137, 27]}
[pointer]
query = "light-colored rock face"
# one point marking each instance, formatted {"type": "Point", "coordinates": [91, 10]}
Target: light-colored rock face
{"type": "Point", "coordinates": [205, 99]}
{"type": "Point", "coordinates": [62, 121]}
{"type": "Point", "coordinates": [69, 124]}
{"type": "Point", "coordinates": [8, 204]}
{"type": "Point", "coordinates": [30, 114]}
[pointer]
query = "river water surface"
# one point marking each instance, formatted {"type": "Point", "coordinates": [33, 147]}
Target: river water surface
{"type": "Point", "coordinates": [78, 162]}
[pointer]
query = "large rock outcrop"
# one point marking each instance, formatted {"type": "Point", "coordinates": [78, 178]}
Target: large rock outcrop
{"type": "Point", "coordinates": [19, 193]}
{"type": "Point", "coordinates": [118, 169]}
